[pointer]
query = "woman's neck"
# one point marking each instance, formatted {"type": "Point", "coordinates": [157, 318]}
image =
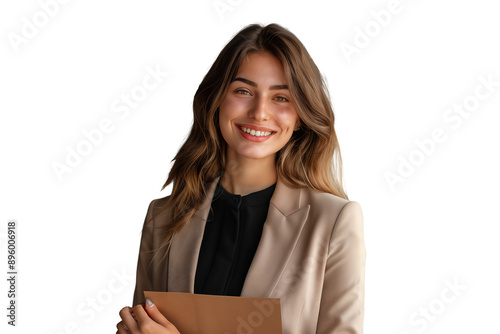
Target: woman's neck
{"type": "Point", "coordinates": [244, 175]}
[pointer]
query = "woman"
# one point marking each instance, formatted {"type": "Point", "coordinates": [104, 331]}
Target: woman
{"type": "Point", "coordinates": [257, 207]}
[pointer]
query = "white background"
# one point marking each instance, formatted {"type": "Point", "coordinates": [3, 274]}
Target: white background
{"type": "Point", "coordinates": [78, 233]}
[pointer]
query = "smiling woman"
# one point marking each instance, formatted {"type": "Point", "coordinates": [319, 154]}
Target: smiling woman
{"type": "Point", "coordinates": [257, 207]}
{"type": "Point", "coordinates": [256, 119]}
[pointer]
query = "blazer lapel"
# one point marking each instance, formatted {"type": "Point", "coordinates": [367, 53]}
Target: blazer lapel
{"type": "Point", "coordinates": [183, 256]}
{"type": "Point", "coordinates": [285, 219]}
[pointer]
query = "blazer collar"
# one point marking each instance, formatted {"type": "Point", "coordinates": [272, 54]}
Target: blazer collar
{"type": "Point", "coordinates": [286, 217]}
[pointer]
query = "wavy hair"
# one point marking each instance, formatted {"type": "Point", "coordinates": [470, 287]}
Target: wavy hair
{"type": "Point", "coordinates": [310, 159]}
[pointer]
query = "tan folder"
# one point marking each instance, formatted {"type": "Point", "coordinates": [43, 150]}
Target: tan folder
{"type": "Point", "coordinates": [209, 314]}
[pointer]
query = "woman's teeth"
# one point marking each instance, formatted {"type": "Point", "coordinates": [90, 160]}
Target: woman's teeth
{"type": "Point", "coordinates": [255, 133]}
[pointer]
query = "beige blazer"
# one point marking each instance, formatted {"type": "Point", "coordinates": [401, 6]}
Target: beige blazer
{"type": "Point", "coordinates": [311, 255]}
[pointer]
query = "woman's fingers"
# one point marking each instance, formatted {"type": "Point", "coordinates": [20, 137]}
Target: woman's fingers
{"type": "Point", "coordinates": [144, 318]}
{"type": "Point", "coordinates": [130, 325]}
{"type": "Point", "coordinates": [148, 317]}
{"type": "Point", "coordinates": [139, 314]}
{"type": "Point", "coordinates": [156, 315]}
{"type": "Point", "coordinates": [122, 328]}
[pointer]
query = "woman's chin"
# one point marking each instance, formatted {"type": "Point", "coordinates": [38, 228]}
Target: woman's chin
{"type": "Point", "coordinates": [256, 154]}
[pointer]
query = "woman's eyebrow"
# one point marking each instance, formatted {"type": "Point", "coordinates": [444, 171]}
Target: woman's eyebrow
{"type": "Point", "coordinates": [251, 83]}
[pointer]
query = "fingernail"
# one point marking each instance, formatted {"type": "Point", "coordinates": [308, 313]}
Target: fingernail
{"type": "Point", "coordinates": [149, 302]}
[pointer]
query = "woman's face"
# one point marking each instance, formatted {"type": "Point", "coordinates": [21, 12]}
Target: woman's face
{"type": "Point", "coordinates": [257, 116]}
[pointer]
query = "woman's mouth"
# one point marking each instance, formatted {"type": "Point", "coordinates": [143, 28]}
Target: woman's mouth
{"type": "Point", "coordinates": [255, 135]}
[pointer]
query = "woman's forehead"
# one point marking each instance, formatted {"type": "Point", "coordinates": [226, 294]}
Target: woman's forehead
{"type": "Point", "coordinates": [262, 67]}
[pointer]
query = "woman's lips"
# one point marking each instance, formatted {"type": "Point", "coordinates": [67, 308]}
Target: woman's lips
{"type": "Point", "coordinates": [257, 139]}
{"type": "Point", "coordinates": [255, 127]}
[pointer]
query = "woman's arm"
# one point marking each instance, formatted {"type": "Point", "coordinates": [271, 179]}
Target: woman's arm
{"type": "Point", "coordinates": [143, 278]}
{"type": "Point", "coordinates": [342, 300]}
{"type": "Point", "coordinates": [144, 317]}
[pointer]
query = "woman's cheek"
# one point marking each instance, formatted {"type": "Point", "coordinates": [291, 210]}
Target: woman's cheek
{"type": "Point", "coordinates": [234, 106]}
{"type": "Point", "coordinates": [287, 116]}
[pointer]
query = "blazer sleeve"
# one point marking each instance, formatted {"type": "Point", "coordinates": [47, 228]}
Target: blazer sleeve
{"type": "Point", "coordinates": [342, 300]}
{"type": "Point", "coordinates": [143, 277]}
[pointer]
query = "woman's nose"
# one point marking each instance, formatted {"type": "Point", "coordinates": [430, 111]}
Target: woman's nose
{"type": "Point", "coordinates": [259, 110]}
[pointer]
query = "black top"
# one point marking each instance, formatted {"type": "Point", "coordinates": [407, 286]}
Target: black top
{"type": "Point", "coordinates": [232, 234]}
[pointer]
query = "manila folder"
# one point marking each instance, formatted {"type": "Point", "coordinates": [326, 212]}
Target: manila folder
{"type": "Point", "coordinates": [212, 314]}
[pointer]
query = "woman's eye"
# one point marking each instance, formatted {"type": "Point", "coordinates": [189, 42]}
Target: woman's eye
{"type": "Point", "coordinates": [242, 91]}
{"type": "Point", "coordinates": [282, 99]}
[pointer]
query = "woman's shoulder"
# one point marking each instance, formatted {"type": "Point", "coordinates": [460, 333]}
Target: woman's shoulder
{"type": "Point", "coordinates": [340, 216]}
{"type": "Point", "coordinates": [157, 212]}
{"type": "Point", "coordinates": [327, 201]}
{"type": "Point", "coordinates": [157, 203]}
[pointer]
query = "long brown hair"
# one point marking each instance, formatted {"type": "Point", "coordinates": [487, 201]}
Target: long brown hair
{"type": "Point", "coordinates": [310, 159]}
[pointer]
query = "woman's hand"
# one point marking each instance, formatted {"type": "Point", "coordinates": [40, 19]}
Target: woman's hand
{"type": "Point", "coordinates": [144, 318]}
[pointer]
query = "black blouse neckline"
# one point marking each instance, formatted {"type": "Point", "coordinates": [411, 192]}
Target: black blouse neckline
{"type": "Point", "coordinates": [255, 198]}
